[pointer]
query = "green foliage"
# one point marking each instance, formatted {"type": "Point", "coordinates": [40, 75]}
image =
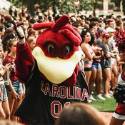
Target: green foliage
{"type": "Point", "coordinates": [86, 5]}
{"type": "Point", "coordinates": [16, 2]}
{"type": "Point", "coordinates": [67, 6]}
{"type": "Point", "coordinates": [62, 5]}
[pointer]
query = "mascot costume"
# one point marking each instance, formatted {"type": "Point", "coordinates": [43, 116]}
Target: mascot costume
{"type": "Point", "coordinates": [50, 72]}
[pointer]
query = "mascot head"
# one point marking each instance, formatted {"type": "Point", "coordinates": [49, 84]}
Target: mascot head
{"type": "Point", "coordinates": [57, 51]}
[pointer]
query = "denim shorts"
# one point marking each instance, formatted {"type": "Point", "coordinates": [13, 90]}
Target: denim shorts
{"type": "Point", "coordinates": [106, 63]}
{"type": "Point", "coordinates": [3, 93]}
{"type": "Point", "coordinates": [96, 66]}
{"type": "Point", "coordinates": [18, 87]}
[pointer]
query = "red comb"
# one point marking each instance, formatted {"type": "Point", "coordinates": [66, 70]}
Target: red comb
{"type": "Point", "coordinates": [60, 23]}
{"type": "Point", "coordinates": [73, 30]}
{"type": "Point", "coordinates": [43, 25]}
{"type": "Point", "coordinates": [71, 36]}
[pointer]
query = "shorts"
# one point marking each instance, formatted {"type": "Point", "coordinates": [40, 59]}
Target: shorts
{"type": "Point", "coordinates": [113, 61]}
{"type": "Point", "coordinates": [87, 65]}
{"type": "Point", "coordinates": [96, 66]}
{"type": "Point", "coordinates": [119, 112]}
{"type": "Point", "coordinates": [106, 63]}
{"type": "Point", "coordinates": [88, 69]}
{"type": "Point", "coordinates": [18, 87]}
{"type": "Point", "coordinates": [3, 93]}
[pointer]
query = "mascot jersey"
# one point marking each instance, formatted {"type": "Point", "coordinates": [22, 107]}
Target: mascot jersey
{"type": "Point", "coordinates": [50, 73]}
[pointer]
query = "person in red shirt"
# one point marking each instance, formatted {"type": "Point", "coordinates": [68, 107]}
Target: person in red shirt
{"type": "Point", "coordinates": [15, 99]}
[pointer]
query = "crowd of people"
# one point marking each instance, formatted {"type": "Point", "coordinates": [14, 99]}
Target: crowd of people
{"type": "Point", "coordinates": [100, 63]}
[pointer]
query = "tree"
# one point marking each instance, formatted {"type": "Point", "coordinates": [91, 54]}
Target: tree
{"type": "Point", "coordinates": [118, 5]}
{"type": "Point", "coordinates": [65, 6]}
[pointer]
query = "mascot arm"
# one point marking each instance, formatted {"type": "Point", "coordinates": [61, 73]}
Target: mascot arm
{"type": "Point", "coordinates": [24, 61]}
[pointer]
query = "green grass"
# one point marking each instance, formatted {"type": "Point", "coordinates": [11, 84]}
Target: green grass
{"type": "Point", "coordinates": [104, 106]}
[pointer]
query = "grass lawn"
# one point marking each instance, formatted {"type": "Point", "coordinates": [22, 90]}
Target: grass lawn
{"type": "Point", "coordinates": [105, 106]}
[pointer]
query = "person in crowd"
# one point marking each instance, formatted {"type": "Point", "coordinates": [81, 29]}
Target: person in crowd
{"type": "Point", "coordinates": [93, 30]}
{"type": "Point", "coordinates": [106, 63]}
{"type": "Point", "coordinates": [111, 23]}
{"type": "Point", "coordinates": [4, 104]}
{"type": "Point", "coordinates": [96, 76]}
{"type": "Point", "coordinates": [88, 51]}
{"type": "Point", "coordinates": [80, 114]}
{"type": "Point", "coordinates": [31, 40]}
{"type": "Point", "coordinates": [89, 54]}
{"type": "Point", "coordinates": [19, 91]}
{"type": "Point", "coordinates": [114, 57]}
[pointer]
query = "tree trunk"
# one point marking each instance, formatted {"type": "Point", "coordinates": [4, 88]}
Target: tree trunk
{"type": "Point", "coordinates": [123, 5]}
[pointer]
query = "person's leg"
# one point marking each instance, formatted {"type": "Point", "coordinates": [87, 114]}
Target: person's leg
{"type": "Point", "coordinates": [99, 81]}
{"type": "Point", "coordinates": [115, 73]}
{"type": "Point", "coordinates": [2, 113]}
{"type": "Point", "coordinates": [88, 75]}
{"type": "Point", "coordinates": [6, 109]}
{"type": "Point", "coordinates": [11, 99]}
{"type": "Point", "coordinates": [92, 78]}
{"type": "Point", "coordinates": [6, 103]}
{"type": "Point", "coordinates": [19, 89]}
{"type": "Point", "coordinates": [107, 73]}
{"type": "Point", "coordinates": [91, 83]}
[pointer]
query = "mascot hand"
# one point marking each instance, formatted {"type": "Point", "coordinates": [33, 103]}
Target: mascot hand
{"type": "Point", "coordinates": [17, 26]}
{"type": "Point", "coordinates": [21, 34]}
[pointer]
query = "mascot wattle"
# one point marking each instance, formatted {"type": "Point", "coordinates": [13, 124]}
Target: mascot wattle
{"type": "Point", "coordinates": [50, 72]}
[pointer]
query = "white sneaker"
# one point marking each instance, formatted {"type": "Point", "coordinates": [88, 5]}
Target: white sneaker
{"type": "Point", "coordinates": [89, 101]}
{"type": "Point", "coordinates": [99, 96]}
{"type": "Point", "coordinates": [92, 98]}
{"type": "Point", "coordinates": [107, 96]}
{"type": "Point", "coordinates": [111, 93]}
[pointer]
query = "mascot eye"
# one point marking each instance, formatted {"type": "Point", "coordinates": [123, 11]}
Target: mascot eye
{"type": "Point", "coordinates": [67, 49]}
{"type": "Point", "coordinates": [50, 48]}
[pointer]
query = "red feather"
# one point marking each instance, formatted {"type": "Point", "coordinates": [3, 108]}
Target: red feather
{"type": "Point", "coordinates": [71, 36]}
{"type": "Point", "coordinates": [60, 23]}
{"type": "Point", "coordinates": [43, 25]}
{"type": "Point", "coordinates": [73, 30]}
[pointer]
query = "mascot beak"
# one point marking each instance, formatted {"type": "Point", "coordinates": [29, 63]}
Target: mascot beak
{"type": "Point", "coordinates": [54, 69]}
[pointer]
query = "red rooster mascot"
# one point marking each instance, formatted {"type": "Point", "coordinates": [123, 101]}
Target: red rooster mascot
{"type": "Point", "coordinates": [51, 73]}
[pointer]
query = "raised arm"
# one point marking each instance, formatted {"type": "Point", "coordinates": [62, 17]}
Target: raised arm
{"type": "Point", "coordinates": [24, 59]}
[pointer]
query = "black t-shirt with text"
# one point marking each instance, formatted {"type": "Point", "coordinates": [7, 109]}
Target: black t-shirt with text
{"type": "Point", "coordinates": [44, 101]}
